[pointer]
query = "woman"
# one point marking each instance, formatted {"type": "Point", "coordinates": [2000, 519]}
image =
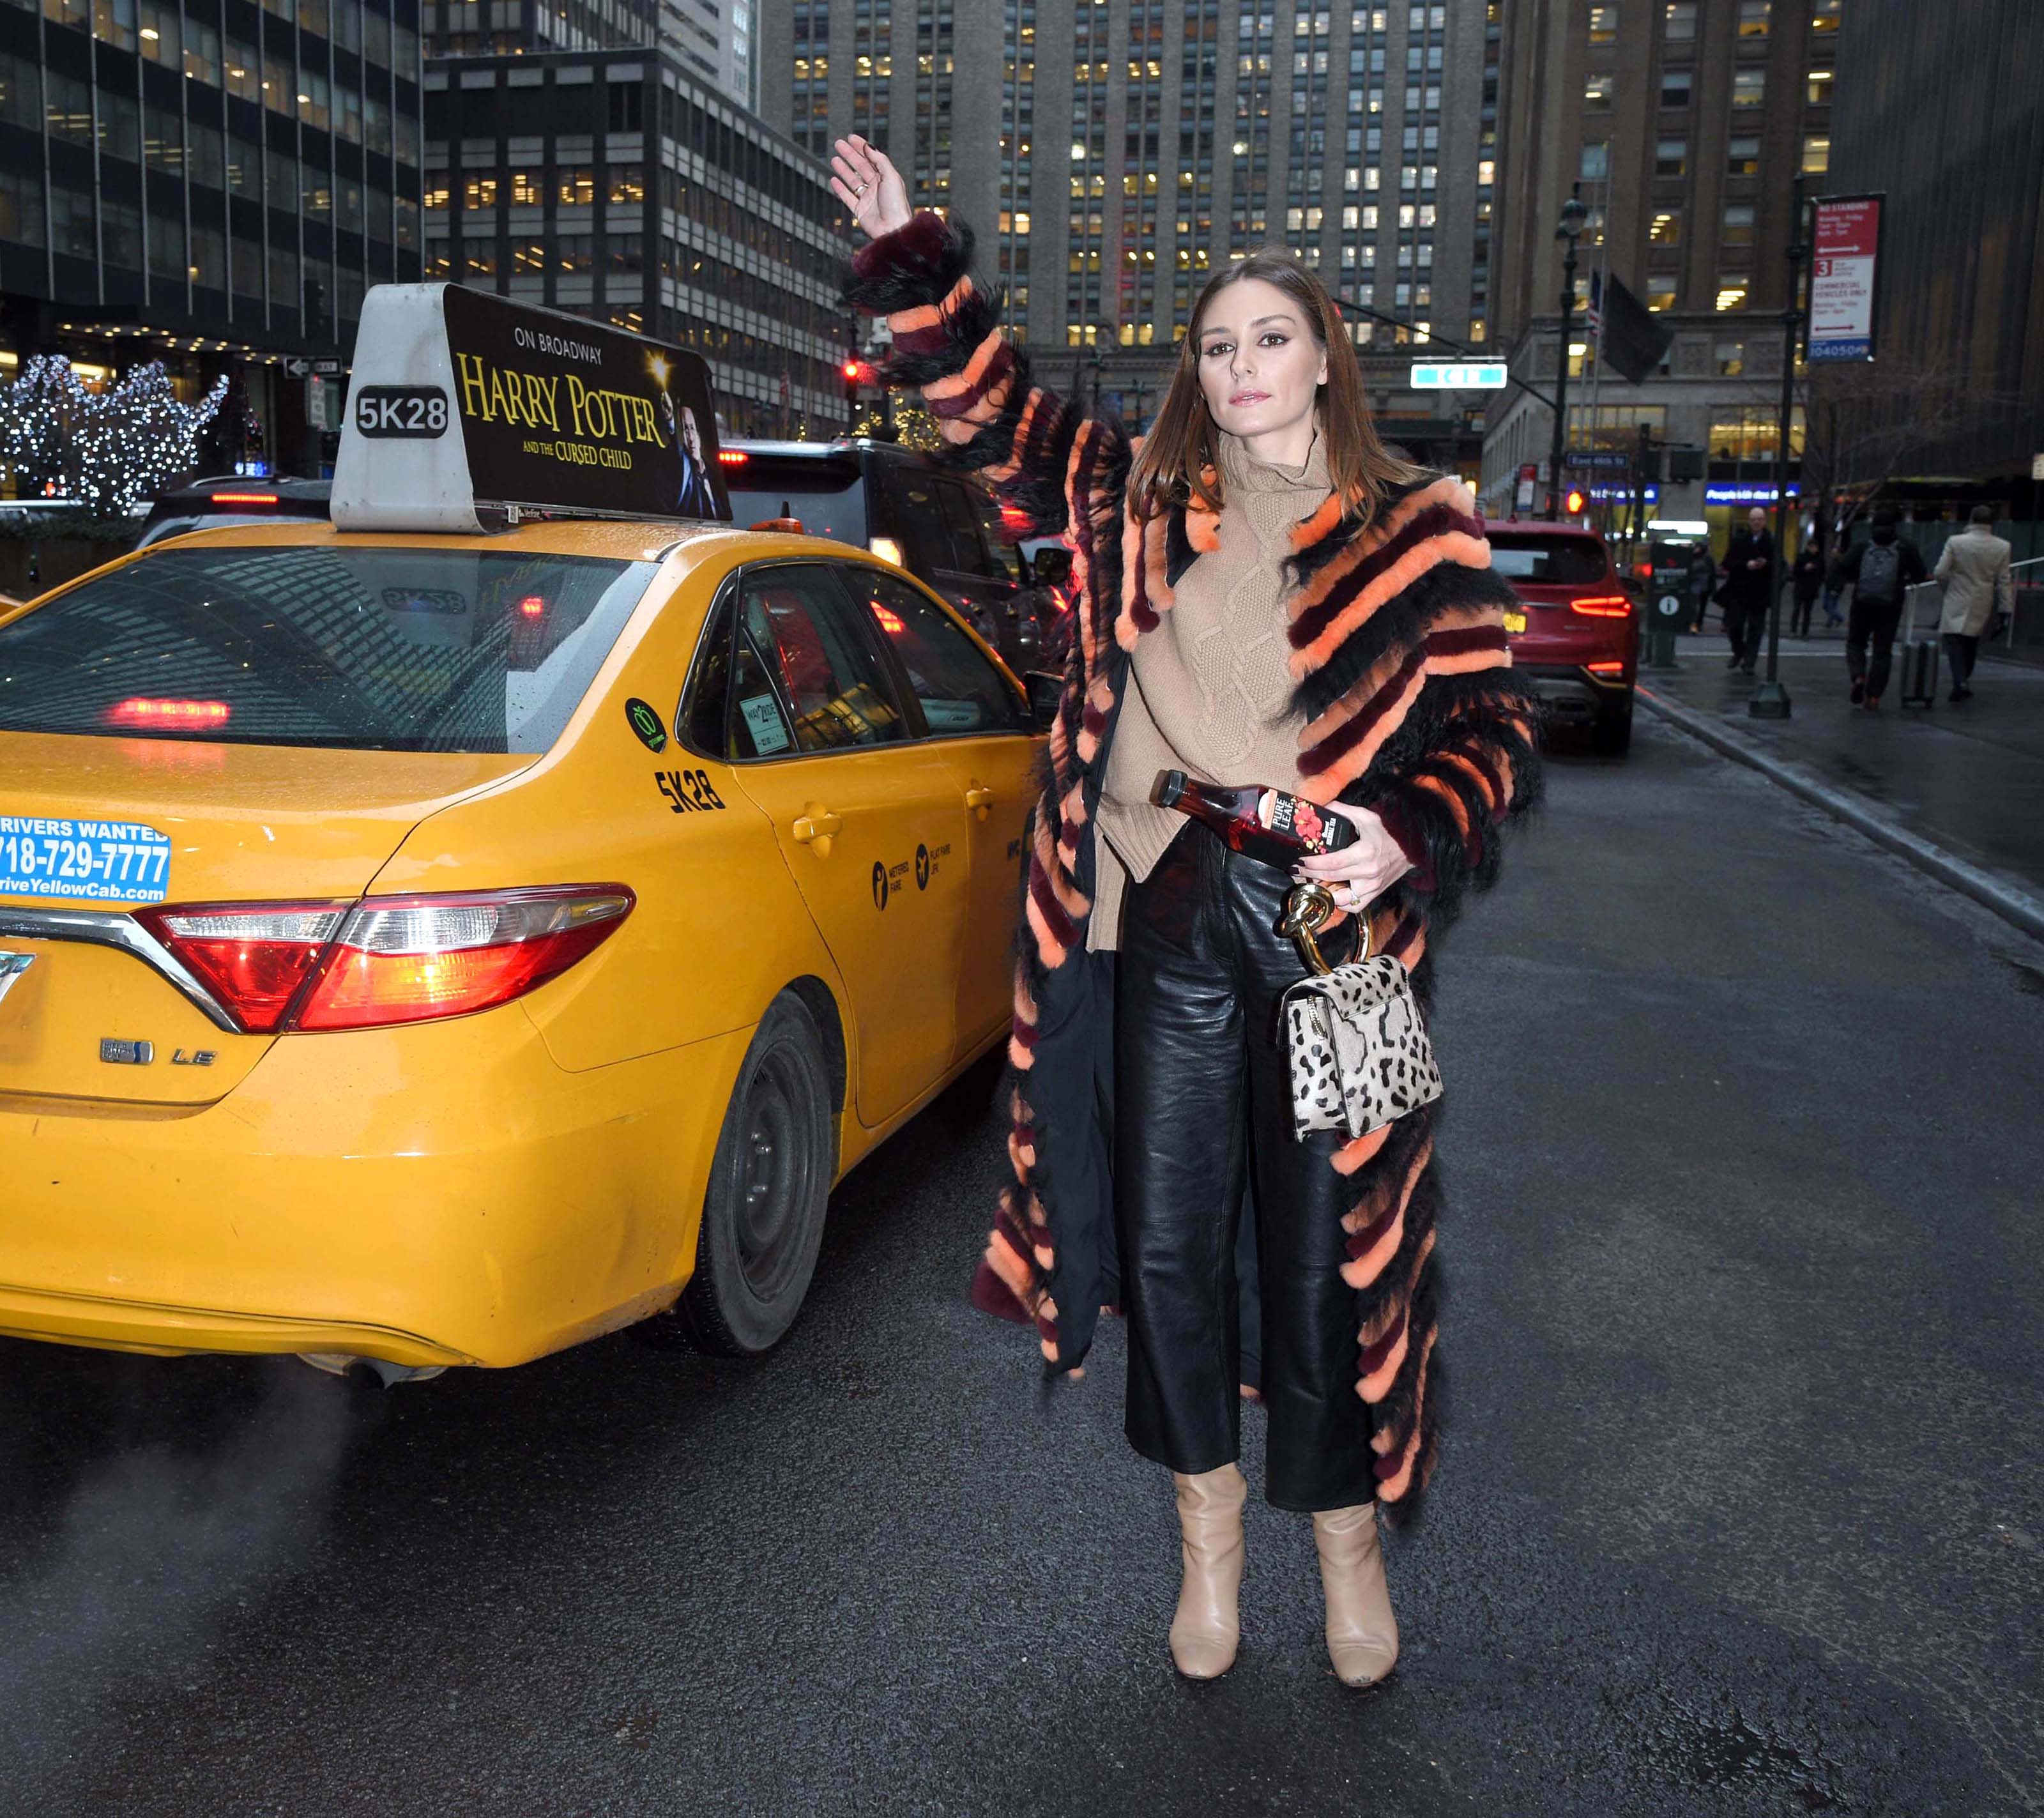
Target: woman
{"type": "Point", "coordinates": [1262, 594]}
{"type": "Point", "coordinates": [1807, 576]}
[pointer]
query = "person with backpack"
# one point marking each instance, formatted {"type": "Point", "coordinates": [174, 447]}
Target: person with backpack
{"type": "Point", "coordinates": [1881, 575]}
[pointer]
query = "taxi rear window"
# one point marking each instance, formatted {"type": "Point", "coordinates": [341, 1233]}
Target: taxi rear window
{"type": "Point", "coordinates": [824, 491]}
{"type": "Point", "coordinates": [382, 649]}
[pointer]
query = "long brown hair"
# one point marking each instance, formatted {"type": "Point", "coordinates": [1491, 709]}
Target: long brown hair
{"type": "Point", "coordinates": [1178, 464]}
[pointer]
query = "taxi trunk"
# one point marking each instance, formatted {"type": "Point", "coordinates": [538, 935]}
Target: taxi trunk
{"type": "Point", "coordinates": [108, 1008]}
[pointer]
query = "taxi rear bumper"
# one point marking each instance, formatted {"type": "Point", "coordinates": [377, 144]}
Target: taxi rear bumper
{"type": "Point", "coordinates": [437, 1194]}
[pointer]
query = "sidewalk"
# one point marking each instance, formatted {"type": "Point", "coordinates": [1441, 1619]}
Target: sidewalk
{"type": "Point", "coordinates": [1968, 779]}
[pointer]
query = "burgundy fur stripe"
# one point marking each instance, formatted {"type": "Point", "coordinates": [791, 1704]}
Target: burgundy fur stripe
{"type": "Point", "coordinates": [992, 1295]}
{"type": "Point", "coordinates": [1046, 899]}
{"type": "Point", "coordinates": [1352, 732]}
{"type": "Point", "coordinates": [1469, 638]}
{"type": "Point", "coordinates": [1435, 521]}
{"type": "Point", "coordinates": [1025, 1033]}
{"type": "Point", "coordinates": [1397, 819]}
{"type": "Point", "coordinates": [1374, 1355]}
{"type": "Point", "coordinates": [1372, 1234]}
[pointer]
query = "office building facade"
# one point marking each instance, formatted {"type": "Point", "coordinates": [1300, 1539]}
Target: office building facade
{"type": "Point", "coordinates": [1945, 119]}
{"type": "Point", "coordinates": [713, 40]}
{"type": "Point", "coordinates": [1111, 157]}
{"type": "Point", "coordinates": [611, 184]}
{"type": "Point", "coordinates": [214, 183]}
{"type": "Point", "coordinates": [1680, 125]}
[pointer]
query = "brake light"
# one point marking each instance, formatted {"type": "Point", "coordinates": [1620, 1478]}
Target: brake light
{"type": "Point", "coordinates": [280, 967]}
{"type": "Point", "coordinates": [183, 716]}
{"type": "Point", "coordinates": [890, 621]}
{"type": "Point", "coordinates": [241, 498]}
{"type": "Point", "coordinates": [255, 957]}
{"type": "Point", "coordinates": [1605, 668]}
{"type": "Point", "coordinates": [409, 959]}
{"type": "Point", "coordinates": [733, 457]}
{"type": "Point", "coordinates": [1602, 607]}
{"type": "Point", "coordinates": [532, 606]}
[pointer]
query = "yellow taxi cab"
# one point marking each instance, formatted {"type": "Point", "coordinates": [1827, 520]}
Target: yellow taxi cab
{"type": "Point", "coordinates": [442, 946]}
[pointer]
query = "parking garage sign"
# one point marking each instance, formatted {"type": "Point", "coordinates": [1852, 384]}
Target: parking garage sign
{"type": "Point", "coordinates": [1843, 276]}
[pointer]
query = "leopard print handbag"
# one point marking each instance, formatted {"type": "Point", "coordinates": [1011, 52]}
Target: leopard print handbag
{"type": "Point", "coordinates": [1357, 1045]}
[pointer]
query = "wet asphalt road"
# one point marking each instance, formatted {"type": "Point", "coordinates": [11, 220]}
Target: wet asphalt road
{"type": "Point", "coordinates": [1743, 1511]}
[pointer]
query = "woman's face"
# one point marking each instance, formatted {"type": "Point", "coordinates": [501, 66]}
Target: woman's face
{"type": "Point", "coordinates": [1258, 363]}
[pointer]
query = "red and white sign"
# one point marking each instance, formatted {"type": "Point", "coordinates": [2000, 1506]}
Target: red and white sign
{"type": "Point", "coordinates": [1842, 276]}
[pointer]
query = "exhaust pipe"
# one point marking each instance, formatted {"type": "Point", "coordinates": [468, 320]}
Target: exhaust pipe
{"type": "Point", "coordinates": [347, 1362]}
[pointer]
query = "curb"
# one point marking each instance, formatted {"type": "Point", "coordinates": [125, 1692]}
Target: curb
{"type": "Point", "coordinates": [2014, 906]}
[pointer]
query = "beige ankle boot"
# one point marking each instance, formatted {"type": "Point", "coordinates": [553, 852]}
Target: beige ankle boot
{"type": "Point", "coordinates": [1207, 1628]}
{"type": "Point", "coordinates": [1362, 1634]}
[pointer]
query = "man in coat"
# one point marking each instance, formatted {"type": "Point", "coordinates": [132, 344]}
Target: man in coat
{"type": "Point", "coordinates": [1978, 584]}
{"type": "Point", "coordinates": [1747, 564]}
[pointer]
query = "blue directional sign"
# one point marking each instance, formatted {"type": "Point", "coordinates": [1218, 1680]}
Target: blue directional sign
{"type": "Point", "coordinates": [1470, 375]}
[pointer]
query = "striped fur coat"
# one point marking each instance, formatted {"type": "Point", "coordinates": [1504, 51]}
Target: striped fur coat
{"type": "Point", "coordinates": [1398, 649]}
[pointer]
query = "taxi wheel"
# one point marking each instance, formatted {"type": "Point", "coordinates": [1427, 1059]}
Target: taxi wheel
{"type": "Point", "coordinates": [763, 1215]}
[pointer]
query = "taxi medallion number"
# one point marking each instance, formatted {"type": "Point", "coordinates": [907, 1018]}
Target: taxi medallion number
{"type": "Point", "coordinates": [417, 412]}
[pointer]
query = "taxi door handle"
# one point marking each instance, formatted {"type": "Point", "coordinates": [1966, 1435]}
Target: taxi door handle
{"type": "Point", "coordinates": [979, 799]}
{"type": "Point", "coordinates": [816, 829]}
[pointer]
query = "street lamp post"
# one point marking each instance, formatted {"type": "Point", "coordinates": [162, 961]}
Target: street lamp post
{"type": "Point", "coordinates": [1770, 699]}
{"type": "Point", "coordinates": [1572, 216]}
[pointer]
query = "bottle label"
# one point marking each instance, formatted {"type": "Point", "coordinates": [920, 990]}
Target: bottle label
{"type": "Point", "coordinates": [1292, 816]}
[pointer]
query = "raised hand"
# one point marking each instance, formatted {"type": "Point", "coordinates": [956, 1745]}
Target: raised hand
{"type": "Point", "coordinates": [866, 182]}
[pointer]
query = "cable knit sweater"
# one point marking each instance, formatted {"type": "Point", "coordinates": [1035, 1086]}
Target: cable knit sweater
{"type": "Point", "coordinates": [1213, 692]}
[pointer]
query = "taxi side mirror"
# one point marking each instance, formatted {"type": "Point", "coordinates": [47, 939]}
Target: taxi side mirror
{"type": "Point", "coordinates": [1046, 690]}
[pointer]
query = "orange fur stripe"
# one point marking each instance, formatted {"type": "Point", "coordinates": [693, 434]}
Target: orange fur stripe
{"type": "Point", "coordinates": [1049, 948]}
{"type": "Point", "coordinates": [1400, 1480]}
{"type": "Point", "coordinates": [1469, 662]}
{"type": "Point", "coordinates": [1470, 767]}
{"type": "Point", "coordinates": [974, 370]}
{"type": "Point", "coordinates": [1012, 465]}
{"type": "Point", "coordinates": [1376, 1386]}
{"type": "Point", "coordinates": [1362, 1270]}
{"type": "Point", "coordinates": [1352, 1155]}
{"type": "Point", "coordinates": [1443, 491]}
{"type": "Point", "coordinates": [928, 315]}
{"type": "Point", "coordinates": [1327, 514]}
{"type": "Point", "coordinates": [1388, 1314]}
{"type": "Point", "coordinates": [1202, 529]}
{"type": "Point", "coordinates": [1070, 897]}
{"type": "Point", "coordinates": [1450, 795]}
{"type": "Point", "coordinates": [1449, 546]}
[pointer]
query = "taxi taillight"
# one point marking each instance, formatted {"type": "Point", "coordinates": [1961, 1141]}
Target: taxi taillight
{"type": "Point", "coordinates": [283, 967]}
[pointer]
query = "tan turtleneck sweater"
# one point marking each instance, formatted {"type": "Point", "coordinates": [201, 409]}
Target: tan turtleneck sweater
{"type": "Point", "coordinates": [1210, 692]}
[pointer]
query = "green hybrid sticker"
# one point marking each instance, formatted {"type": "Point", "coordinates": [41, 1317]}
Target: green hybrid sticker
{"type": "Point", "coordinates": [646, 724]}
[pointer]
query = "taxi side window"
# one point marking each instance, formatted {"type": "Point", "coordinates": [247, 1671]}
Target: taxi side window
{"type": "Point", "coordinates": [960, 692]}
{"type": "Point", "coordinates": [801, 655]}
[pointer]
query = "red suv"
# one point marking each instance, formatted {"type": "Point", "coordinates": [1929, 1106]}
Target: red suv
{"type": "Point", "coordinates": [1576, 633]}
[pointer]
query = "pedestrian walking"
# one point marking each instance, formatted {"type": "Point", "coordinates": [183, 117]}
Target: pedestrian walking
{"type": "Point", "coordinates": [1881, 573]}
{"type": "Point", "coordinates": [1978, 586]}
{"type": "Point", "coordinates": [1702, 580]}
{"type": "Point", "coordinates": [1807, 579]}
{"type": "Point", "coordinates": [1748, 562]}
{"type": "Point", "coordinates": [1264, 596]}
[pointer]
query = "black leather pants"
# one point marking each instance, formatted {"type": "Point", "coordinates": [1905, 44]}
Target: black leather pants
{"type": "Point", "coordinates": [1202, 1106]}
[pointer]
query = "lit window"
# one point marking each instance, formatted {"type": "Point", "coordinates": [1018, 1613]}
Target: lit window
{"type": "Point", "coordinates": [1666, 228]}
{"type": "Point", "coordinates": [1816, 154]}
{"type": "Point", "coordinates": [1660, 293]}
{"type": "Point", "coordinates": [1820, 87]}
{"type": "Point", "coordinates": [1824, 14]}
{"type": "Point", "coordinates": [1742, 158]}
{"type": "Point", "coordinates": [1730, 359]}
{"type": "Point", "coordinates": [1731, 291]}
{"type": "Point", "coordinates": [1752, 18]}
{"type": "Point", "coordinates": [1749, 87]}
{"type": "Point", "coordinates": [1679, 21]}
{"type": "Point", "coordinates": [1597, 88]}
{"type": "Point", "coordinates": [1603, 24]}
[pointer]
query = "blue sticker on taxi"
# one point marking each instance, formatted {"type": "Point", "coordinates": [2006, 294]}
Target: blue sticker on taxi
{"type": "Point", "coordinates": [93, 861]}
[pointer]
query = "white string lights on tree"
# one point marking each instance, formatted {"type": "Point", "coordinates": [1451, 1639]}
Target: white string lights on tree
{"type": "Point", "coordinates": [107, 449]}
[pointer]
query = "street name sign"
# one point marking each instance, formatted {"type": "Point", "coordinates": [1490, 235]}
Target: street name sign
{"type": "Point", "coordinates": [468, 409]}
{"type": "Point", "coordinates": [1471, 375]}
{"type": "Point", "coordinates": [1598, 458]}
{"type": "Point", "coordinates": [1844, 274]}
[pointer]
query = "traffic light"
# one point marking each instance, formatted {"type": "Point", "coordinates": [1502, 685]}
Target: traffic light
{"type": "Point", "coordinates": [1573, 501]}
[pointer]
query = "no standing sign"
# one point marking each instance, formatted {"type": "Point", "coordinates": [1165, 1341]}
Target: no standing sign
{"type": "Point", "coordinates": [1844, 275]}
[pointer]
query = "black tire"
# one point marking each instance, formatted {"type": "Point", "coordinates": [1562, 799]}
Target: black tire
{"type": "Point", "coordinates": [763, 1213]}
{"type": "Point", "coordinates": [1612, 735]}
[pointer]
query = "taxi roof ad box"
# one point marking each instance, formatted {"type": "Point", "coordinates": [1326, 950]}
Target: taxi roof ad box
{"type": "Point", "coordinates": [464, 403]}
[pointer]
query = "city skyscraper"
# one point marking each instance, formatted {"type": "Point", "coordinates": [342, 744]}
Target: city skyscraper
{"type": "Point", "coordinates": [1680, 125]}
{"type": "Point", "coordinates": [1111, 156]}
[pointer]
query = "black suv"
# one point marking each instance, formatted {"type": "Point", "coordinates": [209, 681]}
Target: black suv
{"type": "Point", "coordinates": [943, 527]}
